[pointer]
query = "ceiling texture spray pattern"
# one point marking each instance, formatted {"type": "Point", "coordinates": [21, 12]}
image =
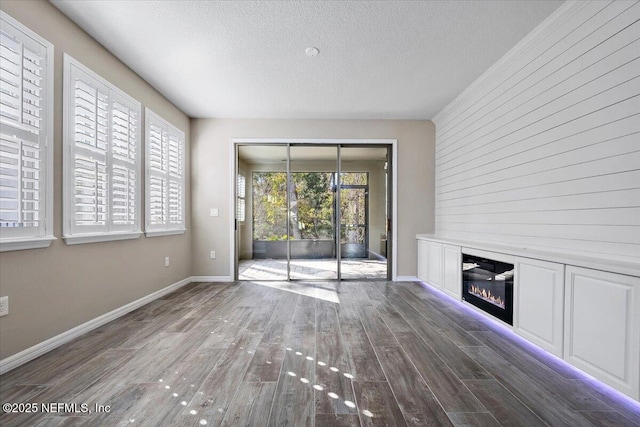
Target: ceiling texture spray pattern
{"type": "Point", "coordinates": [246, 59]}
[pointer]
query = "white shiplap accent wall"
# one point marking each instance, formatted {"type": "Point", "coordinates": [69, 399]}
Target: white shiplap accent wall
{"type": "Point", "coordinates": [543, 150]}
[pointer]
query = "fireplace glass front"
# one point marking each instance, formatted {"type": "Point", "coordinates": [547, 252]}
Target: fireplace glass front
{"type": "Point", "coordinates": [488, 285]}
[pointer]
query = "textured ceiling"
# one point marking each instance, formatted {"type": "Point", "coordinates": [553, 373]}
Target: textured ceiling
{"type": "Point", "coordinates": [378, 59]}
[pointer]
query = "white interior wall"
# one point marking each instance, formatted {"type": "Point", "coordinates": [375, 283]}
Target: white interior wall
{"type": "Point", "coordinates": [543, 150]}
{"type": "Point", "coordinates": [211, 146]}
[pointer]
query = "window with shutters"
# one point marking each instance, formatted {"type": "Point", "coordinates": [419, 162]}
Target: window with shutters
{"type": "Point", "coordinates": [241, 193]}
{"type": "Point", "coordinates": [165, 177]}
{"type": "Point", "coordinates": [101, 159]}
{"type": "Point", "coordinates": [26, 137]}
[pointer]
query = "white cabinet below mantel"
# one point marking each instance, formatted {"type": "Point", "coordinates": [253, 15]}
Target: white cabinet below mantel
{"type": "Point", "coordinates": [452, 270]}
{"type": "Point", "coordinates": [430, 262]}
{"type": "Point", "coordinates": [539, 303]}
{"type": "Point", "coordinates": [586, 315]}
{"type": "Point", "coordinates": [602, 326]}
{"type": "Point", "coordinates": [423, 260]}
{"type": "Point", "coordinates": [434, 264]}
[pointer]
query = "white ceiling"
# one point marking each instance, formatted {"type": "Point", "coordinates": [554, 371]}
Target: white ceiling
{"type": "Point", "coordinates": [378, 59]}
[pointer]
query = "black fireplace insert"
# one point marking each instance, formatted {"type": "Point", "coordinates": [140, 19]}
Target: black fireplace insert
{"type": "Point", "coordinates": [488, 285]}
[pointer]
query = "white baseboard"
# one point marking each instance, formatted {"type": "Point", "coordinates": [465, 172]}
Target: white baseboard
{"type": "Point", "coordinates": [37, 350]}
{"type": "Point", "coordinates": [406, 279]}
{"type": "Point", "coordinates": [210, 278]}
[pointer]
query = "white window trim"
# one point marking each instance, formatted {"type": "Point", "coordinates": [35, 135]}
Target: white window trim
{"type": "Point", "coordinates": [167, 230]}
{"type": "Point", "coordinates": [78, 239]}
{"type": "Point", "coordinates": [20, 244]}
{"type": "Point", "coordinates": [44, 240]}
{"type": "Point", "coordinates": [158, 233]}
{"type": "Point", "coordinates": [68, 142]}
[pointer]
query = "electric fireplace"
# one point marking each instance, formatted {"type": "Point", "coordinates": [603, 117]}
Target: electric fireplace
{"type": "Point", "coordinates": [488, 285]}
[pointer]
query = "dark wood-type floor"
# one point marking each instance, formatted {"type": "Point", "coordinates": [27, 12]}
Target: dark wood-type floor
{"type": "Point", "coordinates": [242, 354]}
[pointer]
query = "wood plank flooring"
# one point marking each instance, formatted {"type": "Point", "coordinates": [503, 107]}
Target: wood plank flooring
{"type": "Point", "coordinates": [246, 354]}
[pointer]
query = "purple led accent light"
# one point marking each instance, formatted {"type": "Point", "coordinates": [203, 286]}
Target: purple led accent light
{"type": "Point", "coordinates": [603, 389]}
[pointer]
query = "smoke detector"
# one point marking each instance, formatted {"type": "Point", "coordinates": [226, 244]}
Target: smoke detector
{"type": "Point", "coordinates": [312, 51]}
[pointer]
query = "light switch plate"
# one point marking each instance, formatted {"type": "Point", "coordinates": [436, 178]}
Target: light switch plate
{"type": "Point", "coordinates": [214, 212]}
{"type": "Point", "coordinates": [4, 306]}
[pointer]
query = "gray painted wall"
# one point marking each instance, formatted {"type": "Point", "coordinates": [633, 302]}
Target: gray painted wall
{"type": "Point", "coordinates": [211, 163]}
{"type": "Point", "coordinates": [55, 289]}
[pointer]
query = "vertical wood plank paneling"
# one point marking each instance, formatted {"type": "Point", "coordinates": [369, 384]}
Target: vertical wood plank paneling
{"type": "Point", "coordinates": [543, 150]}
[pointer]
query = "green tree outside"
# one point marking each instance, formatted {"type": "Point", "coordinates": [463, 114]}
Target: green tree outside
{"type": "Point", "coordinates": [312, 204]}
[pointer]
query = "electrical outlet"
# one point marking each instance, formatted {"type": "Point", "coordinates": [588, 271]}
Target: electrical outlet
{"type": "Point", "coordinates": [166, 261]}
{"type": "Point", "coordinates": [212, 255]}
{"type": "Point", "coordinates": [4, 306]}
{"type": "Point", "coordinates": [214, 212]}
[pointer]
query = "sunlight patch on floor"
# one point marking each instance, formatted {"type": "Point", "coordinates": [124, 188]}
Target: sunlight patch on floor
{"type": "Point", "coordinates": [306, 289]}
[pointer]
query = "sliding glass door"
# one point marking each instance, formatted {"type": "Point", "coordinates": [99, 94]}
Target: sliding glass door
{"type": "Point", "coordinates": [363, 212]}
{"type": "Point", "coordinates": [262, 235]}
{"type": "Point", "coordinates": [311, 212]}
{"type": "Point", "coordinates": [312, 200]}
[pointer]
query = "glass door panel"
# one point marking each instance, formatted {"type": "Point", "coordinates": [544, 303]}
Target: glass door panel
{"type": "Point", "coordinates": [312, 227]}
{"type": "Point", "coordinates": [261, 212]}
{"type": "Point", "coordinates": [363, 208]}
{"type": "Point", "coordinates": [353, 225]}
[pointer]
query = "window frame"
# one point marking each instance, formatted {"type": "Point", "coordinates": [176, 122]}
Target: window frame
{"type": "Point", "coordinates": [42, 236]}
{"type": "Point", "coordinates": [96, 233]}
{"type": "Point", "coordinates": [167, 229]}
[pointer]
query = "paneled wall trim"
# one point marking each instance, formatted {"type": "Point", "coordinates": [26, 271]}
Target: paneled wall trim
{"type": "Point", "coordinates": [543, 150]}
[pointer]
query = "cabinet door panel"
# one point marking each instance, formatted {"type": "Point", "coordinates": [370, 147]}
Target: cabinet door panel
{"type": "Point", "coordinates": [539, 303]}
{"type": "Point", "coordinates": [434, 264]}
{"type": "Point", "coordinates": [452, 267]}
{"type": "Point", "coordinates": [423, 252]}
{"type": "Point", "coordinates": [602, 326]}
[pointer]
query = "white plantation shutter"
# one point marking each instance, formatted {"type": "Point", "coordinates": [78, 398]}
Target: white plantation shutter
{"type": "Point", "coordinates": [158, 206]}
{"type": "Point", "coordinates": [241, 188]}
{"type": "Point", "coordinates": [165, 168]}
{"type": "Point", "coordinates": [124, 197]}
{"type": "Point", "coordinates": [90, 196]}
{"type": "Point", "coordinates": [157, 153]}
{"type": "Point", "coordinates": [102, 161]}
{"type": "Point", "coordinates": [124, 184]}
{"type": "Point", "coordinates": [175, 204]}
{"type": "Point", "coordinates": [90, 133]}
{"type": "Point", "coordinates": [26, 108]}
{"type": "Point", "coordinates": [176, 185]}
